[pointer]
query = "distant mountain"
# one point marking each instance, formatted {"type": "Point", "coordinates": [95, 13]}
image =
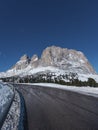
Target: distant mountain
{"type": "Point", "coordinates": [53, 59]}
{"type": "Point", "coordinates": [66, 59]}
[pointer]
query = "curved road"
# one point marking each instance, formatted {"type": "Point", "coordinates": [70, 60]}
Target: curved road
{"type": "Point", "coordinates": [55, 109]}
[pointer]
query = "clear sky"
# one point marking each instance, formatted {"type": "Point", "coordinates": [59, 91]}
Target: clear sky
{"type": "Point", "coordinates": [29, 26]}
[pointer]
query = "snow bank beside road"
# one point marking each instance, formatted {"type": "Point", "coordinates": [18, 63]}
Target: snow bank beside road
{"type": "Point", "coordinates": [12, 119]}
{"type": "Point", "coordinates": [84, 90]}
{"type": "Point", "coordinates": [6, 97]}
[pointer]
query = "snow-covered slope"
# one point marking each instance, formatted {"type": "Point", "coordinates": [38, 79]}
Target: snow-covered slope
{"type": "Point", "coordinates": [47, 70]}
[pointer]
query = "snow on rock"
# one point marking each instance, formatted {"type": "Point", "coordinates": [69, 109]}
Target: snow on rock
{"type": "Point", "coordinates": [84, 90]}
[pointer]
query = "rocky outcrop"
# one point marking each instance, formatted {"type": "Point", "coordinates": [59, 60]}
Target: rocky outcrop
{"type": "Point", "coordinates": [34, 61]}
{"type": "Point", "coordinates": [22, 63]}
{"type": "Point", "coordinates": [34, 58]}
{"type": "Point", "coordinates": [66, 59]}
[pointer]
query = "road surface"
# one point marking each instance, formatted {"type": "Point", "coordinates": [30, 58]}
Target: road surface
{"type": "Point", "coordinates": [55, 109]}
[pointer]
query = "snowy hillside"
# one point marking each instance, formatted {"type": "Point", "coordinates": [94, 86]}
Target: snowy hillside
{"type": "Point", "coordinates": [46, 72]}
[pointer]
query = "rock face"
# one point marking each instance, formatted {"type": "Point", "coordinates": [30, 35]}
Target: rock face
{"type": "Point", "coordinates": [34, 58]}
{"type": "Point", "coordinates": [34, 61]}
{"type": "Point", "coordinates": [22, 63]}
{"type": "Point", "coordinates": [66, 59]}
{"type": "Point", "coordinates": [59, 58]}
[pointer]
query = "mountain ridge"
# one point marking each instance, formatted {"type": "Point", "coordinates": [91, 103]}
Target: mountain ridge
{"type": "Point", "coordinates": [55, 57]}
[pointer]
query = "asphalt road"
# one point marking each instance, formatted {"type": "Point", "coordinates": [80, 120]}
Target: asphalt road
{"type": "Point", "coordinates": [54, 109]}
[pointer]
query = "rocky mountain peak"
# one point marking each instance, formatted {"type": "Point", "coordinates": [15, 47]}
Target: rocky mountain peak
{"type": "Point", "coordinates": [24, 57]}
{"type": "Point", "coordinates": [34, 61]}
{"type": "Point", "coordinates": [34, 58]}
{"type": "Point", "coordinates": [22, 63]}
{"type": "Point", "coordinates": [66, 59]}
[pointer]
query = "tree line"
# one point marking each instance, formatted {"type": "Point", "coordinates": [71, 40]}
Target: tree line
{"type": "Point", "coordinates": [70, 79]}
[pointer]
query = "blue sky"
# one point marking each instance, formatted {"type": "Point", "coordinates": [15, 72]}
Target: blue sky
{"type": "Point", "coordinates": [29, 26]}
